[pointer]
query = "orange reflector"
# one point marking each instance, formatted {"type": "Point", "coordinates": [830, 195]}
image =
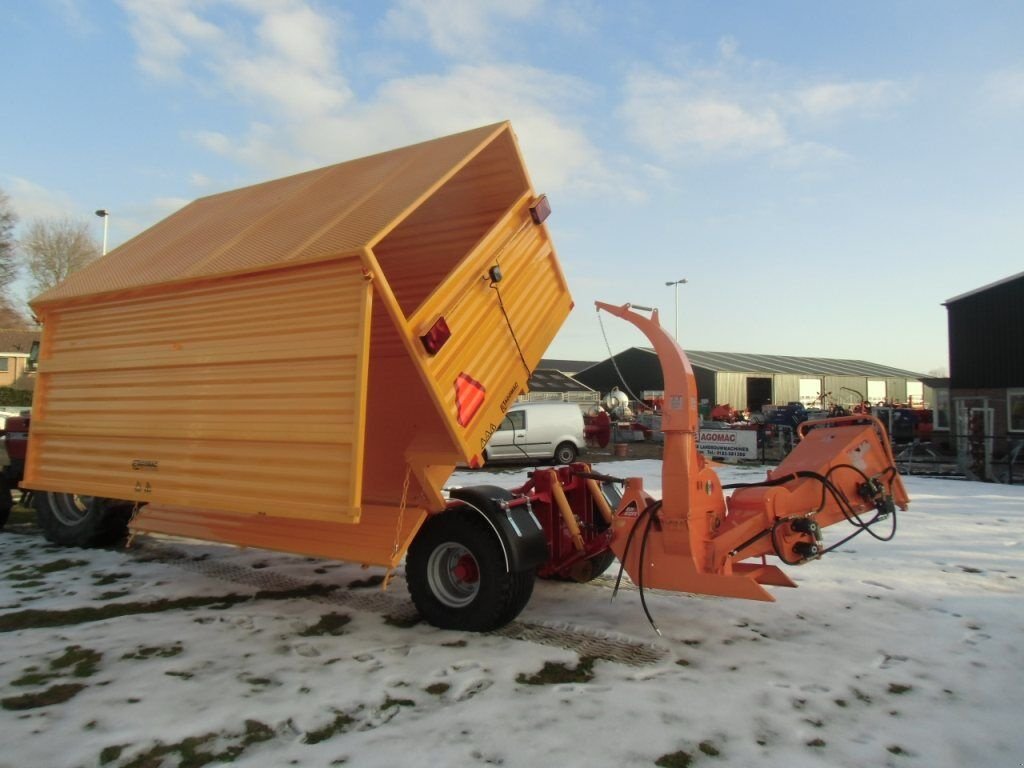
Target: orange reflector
{"type": "Point", "coordinates": [469, 396]}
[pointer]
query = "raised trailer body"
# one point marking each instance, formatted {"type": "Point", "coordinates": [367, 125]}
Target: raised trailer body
{"type": "Point", "coordinates": [300, 364]}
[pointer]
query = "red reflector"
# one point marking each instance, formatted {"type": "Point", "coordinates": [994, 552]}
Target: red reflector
{"type": "Point", "coordinates": [540, 209]}
{"type": "Point", "coordinates": [469, 396]}
{"type": "Point", "coordinates": [435, 338]}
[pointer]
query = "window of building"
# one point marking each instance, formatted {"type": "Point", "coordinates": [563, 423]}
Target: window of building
{"type": "Point", "coordinates": [1015, 409]}
{"type": "Point", "coordinates": [5, 364]}
{"type": "Point", "coordinates": [941, 415]}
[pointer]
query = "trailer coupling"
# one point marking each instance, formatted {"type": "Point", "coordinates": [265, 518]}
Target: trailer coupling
{"type": "Point", "coordinates": [696, 540]}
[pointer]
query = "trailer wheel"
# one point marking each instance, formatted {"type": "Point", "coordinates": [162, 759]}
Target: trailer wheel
{"type": "Point", "coordinates": [457, 575]}
{"type": "Point", "coordinates": [565, 453]}
{"type": "Point", "coordinates": [81, 521]}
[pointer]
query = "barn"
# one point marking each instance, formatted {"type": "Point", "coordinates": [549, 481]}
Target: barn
{"type": "Point", "coordinates": [750, 381]}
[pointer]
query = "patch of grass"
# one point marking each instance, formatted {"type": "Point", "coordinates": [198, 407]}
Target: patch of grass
{"type": "Point", "coordinates": [555, 673]}
{"type": "Point", "coordinates": [682, 662]}
{"type": "Point", "coordinates": [678, 759]}
{"type": "Point", "coordinates": [340, 724]}
{"type": "Point", "coordinates": [33, 678]}
{"type": "Point", "coordinates": [816, 743]}
{"type": "Point", "coordinates": [390, 703]}
{"type": "Point", "coordinates": [182, 675]}
{"type": "Point", "coordinates": [437, 689]}
{"type": "Point", "coordinates": [84, 661]}
{"type": "Point", "coordinates": [36, 619]}
{"type": "Point", "coordinates": [196, 751]}
{"type": "Point", "coordinates": [455, 644]}
{"type": "Point", "coordinates": [898, 688]}
{"type": "Point", "coordinates": [372, 581]}
{"type": "Point", "coordinates": [709, 749]}
{"type": "Point", "coordinates": [29, 584]}
{"type": "Point", "coordinates": [329, 624]}
{"type": "Point", "coordinates": [111, 753]}
{"type": "Point", "coordinates": [402, 621]}
{"type": "Point", "coordinates": [896, 749]}
{"type": "Point", "coordinates": [56, 694]}
{"type": "Point", "coordinates": [155, 652]}
{"type": "Point", "coordinates": [105, 579]}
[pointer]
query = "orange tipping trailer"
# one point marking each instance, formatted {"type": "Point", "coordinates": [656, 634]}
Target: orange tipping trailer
{"type": "Point", "coordinates": [299, 364]}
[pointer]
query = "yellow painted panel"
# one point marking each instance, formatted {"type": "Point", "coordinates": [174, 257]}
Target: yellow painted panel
{"type": "Point", "coordinates": [226, 395]}
{"type": "Point", "coordinates": [381, 537]}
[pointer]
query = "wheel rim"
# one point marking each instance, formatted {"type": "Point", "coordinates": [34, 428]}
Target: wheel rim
{"type": "Point", "coordinates": [70, 508]}
{"type": "Point", "coordinates": [453, 574]}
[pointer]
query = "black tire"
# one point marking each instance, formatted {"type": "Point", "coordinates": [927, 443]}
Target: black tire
{"type": "Point", "coordinates": [81, 521]}
{"type": "Point", "coordinates": [565, 453]}
{"type": "Point", "coordinates": [6, 502]}
{"type": "Point", "coordinates": [456, 573]}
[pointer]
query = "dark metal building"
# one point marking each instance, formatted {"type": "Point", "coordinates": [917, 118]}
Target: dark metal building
{"type": "Point", "coordinates": [986, 366]}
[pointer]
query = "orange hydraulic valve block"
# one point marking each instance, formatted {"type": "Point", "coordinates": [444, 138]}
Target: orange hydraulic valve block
{"type": "Point", "coordinates": [693, 541]}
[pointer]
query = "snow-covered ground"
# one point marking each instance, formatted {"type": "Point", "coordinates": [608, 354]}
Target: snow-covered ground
{"type": "Point", "coordinates": [901, 654]}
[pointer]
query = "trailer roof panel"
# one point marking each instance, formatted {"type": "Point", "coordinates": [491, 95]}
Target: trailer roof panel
{"type": "Point", "coordinates": [317, 215]}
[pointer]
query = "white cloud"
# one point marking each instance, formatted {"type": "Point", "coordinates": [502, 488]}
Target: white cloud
{"type": "Point", "coordinates": [286, 64]}
{"type": "Point", "coordinates": [166, 31]}
{"type": "Point", "coordinates": [673, 117]}
{"type": "Point", "coordinates": [33, 201]}
{"type": "Point", "coordinates": [463, 29]}
{"type": "Point", "coordinates": [1004, 88]}
{"type": "Point", "coordinates": [735, 107]}
{"type": "Point", "coordinates": [829, 99]}
{"type": "Point", "coordinates": [404, 110]}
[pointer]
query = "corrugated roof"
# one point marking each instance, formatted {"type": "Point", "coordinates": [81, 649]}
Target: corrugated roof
{"type": "Point", "coordinates": [565, 366]}
{"type": "Point", "coordinates": [555, 381]}
{"type": "Point", "coordinates": [310, 216]}
{"type": "Point", "coordinates": [737, 362]}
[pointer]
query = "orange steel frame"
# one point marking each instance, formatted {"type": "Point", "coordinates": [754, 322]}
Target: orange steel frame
{"type": "Point", "coordinates": [694, 540]}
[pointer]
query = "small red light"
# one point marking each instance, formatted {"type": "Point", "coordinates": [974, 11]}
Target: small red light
{"type": "Point", "coordinates": [435, 338]}
{"type": "Point", "coordinates": [540, 209]}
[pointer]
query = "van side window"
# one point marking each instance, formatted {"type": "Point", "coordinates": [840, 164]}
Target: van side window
{"type": "Point", "coordinates": [513, 420]}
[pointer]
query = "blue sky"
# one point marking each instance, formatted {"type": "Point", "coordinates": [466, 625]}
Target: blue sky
{"type": "Point", "coordinates": [824, 174]}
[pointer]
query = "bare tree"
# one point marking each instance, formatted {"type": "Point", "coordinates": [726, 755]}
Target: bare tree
{"type": "Point", "coordinates": [10, 317]}
{"type": "Point", "coordinates": [54, 248]}
{"type": "Point", "coordinates": [8, 255]}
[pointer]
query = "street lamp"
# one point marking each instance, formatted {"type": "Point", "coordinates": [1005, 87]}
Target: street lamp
{"type": "Point", "coordinates": [104, 214]}
{"type": "Point", "coordinates": [677, 283]}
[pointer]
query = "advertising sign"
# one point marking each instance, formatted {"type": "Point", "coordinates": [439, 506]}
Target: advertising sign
{"type": "Point", "coordinates": [729, 444]}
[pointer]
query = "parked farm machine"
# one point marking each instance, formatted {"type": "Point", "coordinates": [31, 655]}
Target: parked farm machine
{"type": "Point", "coordinates": [427, 271]}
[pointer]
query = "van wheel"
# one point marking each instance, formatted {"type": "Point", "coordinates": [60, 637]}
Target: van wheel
{"type": "Point", "coordinates": [81, 521]}
{"type": "Point", "coordinates": [456, 574]}
{"type": "Point", "coordinates": [565, 453]}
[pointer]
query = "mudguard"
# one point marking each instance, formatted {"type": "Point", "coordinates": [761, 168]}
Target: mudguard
{"type": "Point", "coordinates": [522, 538]}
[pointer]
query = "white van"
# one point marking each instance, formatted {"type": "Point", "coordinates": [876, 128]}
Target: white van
{"type": "Point", "coordinates": [550, 431]}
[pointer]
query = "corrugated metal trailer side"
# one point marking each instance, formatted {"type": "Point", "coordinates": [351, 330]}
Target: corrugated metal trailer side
{"type": "Point", "coordinates": [273, 361]}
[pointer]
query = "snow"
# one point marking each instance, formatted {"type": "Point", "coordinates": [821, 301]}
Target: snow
{"type": "Point", "coordinates": [903, 653]}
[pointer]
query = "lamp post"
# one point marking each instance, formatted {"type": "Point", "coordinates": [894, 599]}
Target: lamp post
{"type": "Point", "coordinates": [677, 283]}
{"type": "Point", "coordinates": [104, 214]}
